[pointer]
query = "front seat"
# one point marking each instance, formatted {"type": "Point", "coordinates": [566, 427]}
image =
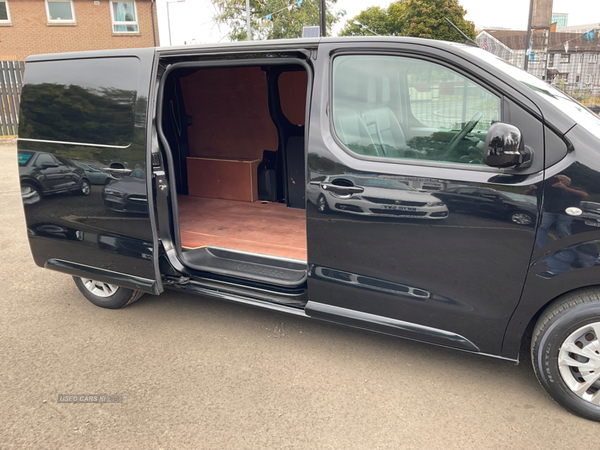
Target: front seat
{"type": "Point", "coordinates": [352, 131]}
{"type": "Point", "coordinates": [386, 132]}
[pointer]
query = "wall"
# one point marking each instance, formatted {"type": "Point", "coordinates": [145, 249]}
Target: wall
{"type": "Point", "coordinates": [292, 92]}
{"type": "Point", "coordinates": [230, 113]}
{"type": "Point", "coordinates": [29, 33]}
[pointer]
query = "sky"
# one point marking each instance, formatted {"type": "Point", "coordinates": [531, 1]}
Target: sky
{"type": "Point", "coordinates": [192, 20]}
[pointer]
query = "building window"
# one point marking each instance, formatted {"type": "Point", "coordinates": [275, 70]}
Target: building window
{"type": "Point", "coordinates": [4, 12]}
{"type": "Point", "coordinates": [594, 58]}
{"type": "Point", "coordinates": [589, 79]}
{"type": "Point", "coordinates": [565, 58]}
{"type": "Point", "coordinates": [124, 17]}
{"type": "Point", "coordinates": [60, 11]}
{"type": "Point", "coordinates": [551, 60]}
{"type": "Point", "coordinates": [577, 79]}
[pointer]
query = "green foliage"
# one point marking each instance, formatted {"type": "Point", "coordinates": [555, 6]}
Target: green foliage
{"type": "Point", "coordinates": [371, 21]}
{"type": "Point", "coordinates": [283, 24]}
{"type": "Point", "coordinates": [416, 18]}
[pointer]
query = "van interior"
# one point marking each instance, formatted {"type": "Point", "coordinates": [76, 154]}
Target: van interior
{"type": "Point", "coordinates": [236, 136]}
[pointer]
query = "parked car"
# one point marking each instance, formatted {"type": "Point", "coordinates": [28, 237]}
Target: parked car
{"type": "Point", "coordinates": [127, 194]}
{"type": "Point", "coordinates": [94, 173]}
{"type": "Point", "coordinates": [43, 173]}
{"type": "Point", "coordinates": [590, 217]}
{"type": "Point", "coordinates": [194, 124]}
{"type": "Point", "coordinates": [517, 208]}
{"type": "Point", "coordinates": [594, 108]}
{"type": "Point", "coordinates": [374, 197]}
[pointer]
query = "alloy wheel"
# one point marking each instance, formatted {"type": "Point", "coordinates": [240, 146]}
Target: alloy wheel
{"type": "Point", "coordinates": [579, 362]}
{"type": "Point", "coordinates": [521, 218]}
{"type": "Point", "coordinates": [30, 195]}
{"type": "Point", "coordinates": [85, 188]}
{"type": "Point", "coordinates": [322, 204]}
{"type": "Point", "coordinates": [99, 288]}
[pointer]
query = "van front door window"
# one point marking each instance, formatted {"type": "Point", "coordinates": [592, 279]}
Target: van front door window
{"type": "Point", "coordinates": [396, 107]}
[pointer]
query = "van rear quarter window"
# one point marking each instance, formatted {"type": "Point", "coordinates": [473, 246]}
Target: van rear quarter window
{"type": "Point", "coordinates": [86, 100]}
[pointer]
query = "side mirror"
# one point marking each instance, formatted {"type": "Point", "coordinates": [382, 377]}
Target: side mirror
{"type": "Point", "coordinates": [47, 164]}
{"type": "Point", "coordinates": [504, 147]}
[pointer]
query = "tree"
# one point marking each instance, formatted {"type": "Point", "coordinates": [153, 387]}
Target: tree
{"type": "Point", "coordinates": [416, 18]}
{"type": "Point", "coordinates": [272, 19]}
{"type": "Point", "coordinates": [371, 21]}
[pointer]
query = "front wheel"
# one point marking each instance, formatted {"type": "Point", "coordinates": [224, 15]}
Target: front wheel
{"type": "Point", "coordinates": [322, 205]}
{"type": "Point", "coordinates": [565, 350]}
{"type": "Point", "coordinates": [85, 188]}
{"type": "Point", "coordinates": [30, 194]}
{"type": "Point", "coordinates": [106, 295]}
{"type": "Point", "coordinates": [521, 218]}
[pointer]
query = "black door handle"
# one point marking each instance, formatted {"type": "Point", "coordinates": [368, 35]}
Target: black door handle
{"type": "Point", "coordinates": [342, 190]}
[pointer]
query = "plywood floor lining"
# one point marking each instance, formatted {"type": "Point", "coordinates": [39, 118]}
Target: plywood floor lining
{"type": "Point", "coordinates": [270, 229]}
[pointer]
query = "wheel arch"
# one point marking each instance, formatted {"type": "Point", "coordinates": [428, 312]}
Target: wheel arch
{"type": "Point", "coordinates": [33, 182]}
{"type": "Point", "coordinates": [515, 345]}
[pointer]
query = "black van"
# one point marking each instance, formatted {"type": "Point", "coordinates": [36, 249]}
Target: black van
{"type": "Point", "coordinates": [417, 188]}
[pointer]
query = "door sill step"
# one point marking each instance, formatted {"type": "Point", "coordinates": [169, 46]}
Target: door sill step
{"type": "Point", "coordinates": [248, 266]}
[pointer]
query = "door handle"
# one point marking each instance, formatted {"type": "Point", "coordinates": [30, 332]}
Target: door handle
{"type": "Point", "coordinates": [117, 171]}
{"type": "Point", "coordinates": [342, 190]}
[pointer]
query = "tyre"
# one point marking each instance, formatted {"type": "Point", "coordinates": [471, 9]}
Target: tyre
{"type": "Point", "coordinates": [322, 205]}
{"type": "Point", "coordinates": [106, 295]}
{"type": "Point", "coordinates": [565, 350]}
{"type": "Point", "coordinates": [30, 194]}
{"type": "Point", "coordinates": [521, 218]}
{"type": "Point", "coordinates": [85, 188]}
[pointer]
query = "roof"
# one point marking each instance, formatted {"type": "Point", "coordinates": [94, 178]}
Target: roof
{"type": "Point", "coordinates": [272, 45]}
{"type": "Point", "coordinates": [515, 40]}
{"type": "Point", "coordinates": [583, 28]}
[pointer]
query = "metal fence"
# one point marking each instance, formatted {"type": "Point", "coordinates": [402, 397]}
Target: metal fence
{"type": "Point", "coordinates": [11, 81]}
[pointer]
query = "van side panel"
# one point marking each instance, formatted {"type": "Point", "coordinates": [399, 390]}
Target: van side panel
{"type": "Point", "coordinates": [89, 113]}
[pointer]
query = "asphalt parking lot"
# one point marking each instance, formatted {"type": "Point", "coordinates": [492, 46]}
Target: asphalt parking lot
{"type": "Point", "coordinates": [200, 373]}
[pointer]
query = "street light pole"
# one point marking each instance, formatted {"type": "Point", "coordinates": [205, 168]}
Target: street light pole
{"type": "Point", "coordinates": [322, 18]}
{"type": "Point", "coordinates": [528, 38]}
{"type": "Point", "coordinates": [248, 34]}
{"type": "Point", "coordinates": [169, 18]}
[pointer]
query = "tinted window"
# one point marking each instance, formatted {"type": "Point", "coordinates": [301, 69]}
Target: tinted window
{"type": "Point", "coordinates": [44, 158]}
{"type": "Point", "coordinates": [65, 161]}
{"type": "Point", "coordinates": [88, 100]}
{"type": "Point", "coordinates": [396, 107]}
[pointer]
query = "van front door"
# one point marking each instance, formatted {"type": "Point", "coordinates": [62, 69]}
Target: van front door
{"type": "Point", "coordinates": [408, 231]}
{"type": "Point", "coordinates": [91, 109]}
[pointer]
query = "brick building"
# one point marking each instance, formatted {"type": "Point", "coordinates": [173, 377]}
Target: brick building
{"type": "Point", "coordinates": [29, 27]}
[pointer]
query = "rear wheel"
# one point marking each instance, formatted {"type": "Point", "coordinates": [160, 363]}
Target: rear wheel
{"type": "Point", "coordinates": [565, 350]}
{"type": "Point", "coordinates": [106, 295]}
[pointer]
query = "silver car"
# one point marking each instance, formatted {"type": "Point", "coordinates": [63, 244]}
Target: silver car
{"type": "Point", "coordinates": [375, 196]}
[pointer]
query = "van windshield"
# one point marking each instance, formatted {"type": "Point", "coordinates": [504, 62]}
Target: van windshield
{"type": "Point", "coordinates": [576, 110]}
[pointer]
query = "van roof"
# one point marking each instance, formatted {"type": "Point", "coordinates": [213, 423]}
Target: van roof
{"type": "Point", "coordinates": [274, 44]}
